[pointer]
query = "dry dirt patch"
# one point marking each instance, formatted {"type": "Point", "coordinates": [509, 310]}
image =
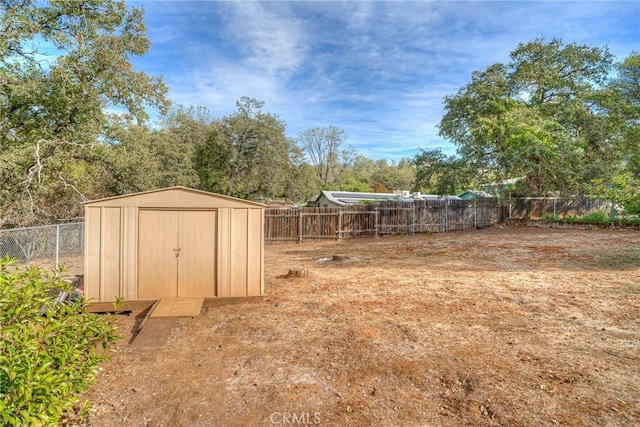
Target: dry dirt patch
{"type": "Point", "coordinates": [501, 326]}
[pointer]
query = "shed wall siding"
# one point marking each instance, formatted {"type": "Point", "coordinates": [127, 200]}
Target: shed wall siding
{"type": "Point", "coordinates": [224, 253]}
{"type": "Point", "coordinates": [239, 220]}
{"type": "Point", "coordinates": [254, 252]}
{"type": "Point", "coordinates": [130, 253]}
{"type": "Point", "coordinates": [110, 239]}
{"type": "Point", "coordinates": [103, 262]}
{"type": "Point", "coordinates": [92, 254]}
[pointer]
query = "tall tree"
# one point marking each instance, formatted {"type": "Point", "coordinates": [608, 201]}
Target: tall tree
{"type": "Point", "coordinates": [325, 147]}
{"type": "Point", "coordinates": [393, 175]}
{"type": "Point", "coordinates": [184, 130]}
{"type": "Point", "coordinates": [128, 162]}
{"type": "Point", "coordinates": [62, 64]}
{"type": "Point", "coordinates": [620, 101]}
{"type": "Point", "coordinates": [437, 173]}
{"type": "Point", "coordinates": [303, 183]}
{"type": "Point", "coordinates": [354, 176]}
{"type": "Point", "coordinates": [246, 154]}
{"type": "Point", "coordinates": [537, 118]}
{"type": "Point", "coordinates": [625, 105]}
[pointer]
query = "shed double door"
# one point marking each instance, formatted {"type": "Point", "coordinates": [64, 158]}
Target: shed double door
{"type": "Point", "coordinates": [176, 253]}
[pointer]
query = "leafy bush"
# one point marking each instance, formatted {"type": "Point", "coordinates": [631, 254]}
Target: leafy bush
{"type": "Point", "coordinates": [623, 190]}
{"type": "Point", "coordinates": [597, 216]}
{"type": "Point", "coordinates": [49, 353]}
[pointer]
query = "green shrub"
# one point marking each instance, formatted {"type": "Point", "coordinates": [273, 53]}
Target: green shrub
{"type": "Point", "coordinates": [597, 216]}
{"type": "Point", "coordinates": [49, 353]}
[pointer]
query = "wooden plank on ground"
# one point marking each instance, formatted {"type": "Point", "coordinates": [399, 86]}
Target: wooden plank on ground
{"type": "Point", "coordinates": [222, 301]}
{"type": "Point", "coordinates": [127, 306]}
{"type": "Point", "coordinates": [178, 307]}
{"type": "Point", "coordinates": [155, 333]}
{"type": "Point", "coordinates": [146, 316]}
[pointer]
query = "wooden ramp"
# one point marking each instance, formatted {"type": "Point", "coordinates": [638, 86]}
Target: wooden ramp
{"type": "Point", "coordinates": [161, 319]}
{"type": "Point", "coordinates": [178, 307]}
{"type": "Point", "coordinates": [155, 332]}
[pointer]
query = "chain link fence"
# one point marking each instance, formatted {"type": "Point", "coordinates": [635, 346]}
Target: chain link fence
{"type": "Point", "coordinates": [44, 245]}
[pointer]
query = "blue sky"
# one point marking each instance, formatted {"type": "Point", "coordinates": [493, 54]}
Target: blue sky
{"type": "Point", "coordinates": [379, 70]}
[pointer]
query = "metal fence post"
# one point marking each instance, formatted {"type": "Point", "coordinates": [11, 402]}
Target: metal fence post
{"type": "Point", "coordinates": [57, 244]}
{"type": "Point", "coordinates": [413, 219]}
{"type": "Point", "coordinates": [446, 215]}
{"type": "Point", "coordinates": [510, 206]}
{"type": "Point", "coordinates": [475, 213]}
{"type": "Point", "coordinates": [299, 226]}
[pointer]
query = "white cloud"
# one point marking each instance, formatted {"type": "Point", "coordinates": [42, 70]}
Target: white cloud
{"type": "Point", "coordinates": [271, 38]}
{"type": "Point", "coordinates": [379, 70]}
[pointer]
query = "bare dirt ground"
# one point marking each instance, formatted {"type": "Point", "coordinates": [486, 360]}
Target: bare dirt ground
{"type": "Point", "coordinates": [508, 326]}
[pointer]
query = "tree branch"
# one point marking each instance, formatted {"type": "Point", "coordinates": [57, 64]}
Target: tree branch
{"type": "Point", "coordinates": [73, 187]}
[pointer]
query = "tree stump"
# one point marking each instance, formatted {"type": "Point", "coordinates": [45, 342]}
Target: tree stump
{"type": "Point", "coordinates": [296, 272]}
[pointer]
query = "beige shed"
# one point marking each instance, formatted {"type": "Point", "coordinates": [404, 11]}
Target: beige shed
{"type": "Point", "coordinates": [173, 242]}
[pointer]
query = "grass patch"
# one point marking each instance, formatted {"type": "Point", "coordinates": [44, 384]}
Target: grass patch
{"type": "Point", "coordinates": [599, 217]}
{"type": "Point", "coordinates": [633, 290]}
{"type": "Point", "coordinates": [621, 258]}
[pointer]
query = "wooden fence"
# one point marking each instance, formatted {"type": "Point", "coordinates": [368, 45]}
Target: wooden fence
{"type": "Point", "coordinates": [538, 207]}
{"type": "Point", "coordinates": [389, 217]}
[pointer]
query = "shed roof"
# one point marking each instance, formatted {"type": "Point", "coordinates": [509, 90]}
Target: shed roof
{"type": "Point", "coordinates": [175, 197]}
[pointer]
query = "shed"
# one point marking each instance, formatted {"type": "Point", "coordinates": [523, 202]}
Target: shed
{"type": "Point", "coordinates": [173, 242]}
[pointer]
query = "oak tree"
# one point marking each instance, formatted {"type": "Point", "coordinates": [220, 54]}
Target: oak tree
{"type": "Point", "coordinates": [246, 154]}
{"type": "Point", "coordinates": [62, 65]}
{"type": "Point", "coordinates": [540, 118]}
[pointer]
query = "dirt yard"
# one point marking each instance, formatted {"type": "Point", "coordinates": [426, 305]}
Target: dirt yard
{"type": "Point", "coordinates": [507, 326]}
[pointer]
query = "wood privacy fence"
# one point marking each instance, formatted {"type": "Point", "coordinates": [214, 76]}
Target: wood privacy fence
{"type": "Point", "coordinates": [389, 217]}
{"type": "Point", "coordinates": [537, 207]}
